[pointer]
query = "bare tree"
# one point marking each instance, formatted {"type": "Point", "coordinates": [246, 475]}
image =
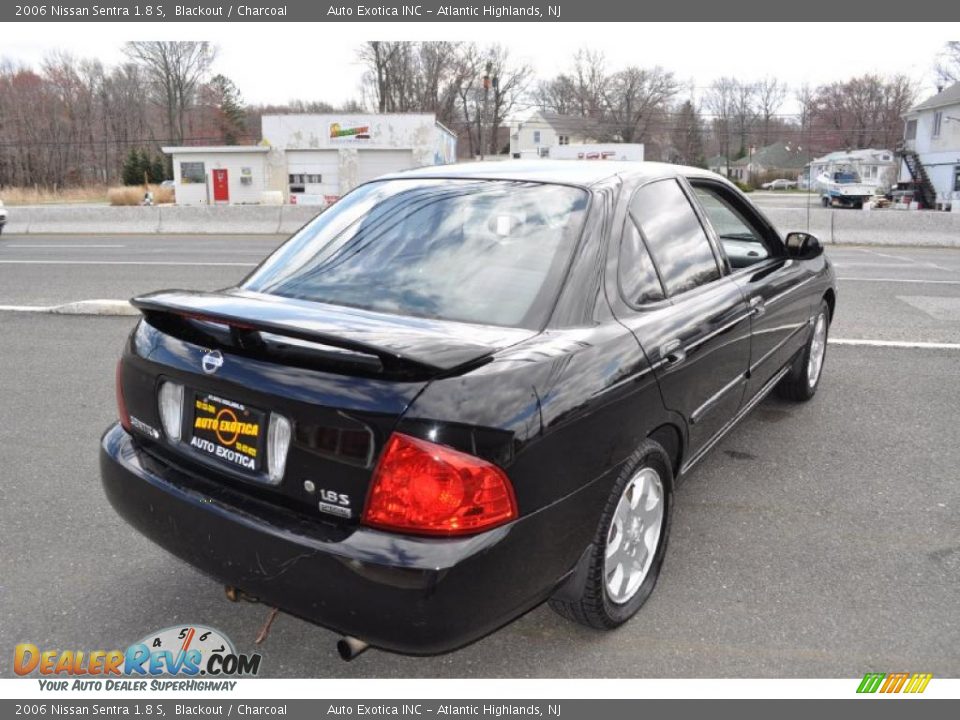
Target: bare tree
{"type": "Point", "coordinates": [770, 96]}
{"type": "Point", "coordinates": [948, 64]}
{"type": "Point", "coordinates": [635, 100]}
{"type": "Point", "coordinates": [744, 112]}
{"type": "Point", "coordinates": [862, 112]}
{"type": "Point", "coordinates": [405, 76]}
{"type": "Point", "coordinates": [509, 79]}
{"type": "Point", "coordinates": [557, 95]}
{"type": "Point", "coordinates": [592, 81]}
{"type": "Point", "coordinates": [720, 99]}
{"type": "Point", "coordinates": [174, 70]}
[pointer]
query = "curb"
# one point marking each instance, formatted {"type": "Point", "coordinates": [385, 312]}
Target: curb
{"type": "Point", "coordinates": [115, 308]}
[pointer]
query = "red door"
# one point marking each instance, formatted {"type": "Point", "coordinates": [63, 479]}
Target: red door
{"type": "Point", "coordinates": [221, 189]}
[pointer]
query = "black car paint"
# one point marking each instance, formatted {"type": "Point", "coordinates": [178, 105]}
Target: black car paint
{"type": "Point", "coordinates": [560, 410]}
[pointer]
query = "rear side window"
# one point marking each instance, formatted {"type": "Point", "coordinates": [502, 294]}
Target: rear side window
{"type": "Point", "coordinates": [674, 236]}
{"type": "Point", "coordinates": [479, 251]}
{"type": "Point", "coordinates": [638, 277]}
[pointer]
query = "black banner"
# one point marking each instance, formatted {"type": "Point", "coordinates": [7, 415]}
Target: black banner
{"type": "Point", "coordinates": [875, 709]}
{"type": "Point", "coordinates": [433, 11]}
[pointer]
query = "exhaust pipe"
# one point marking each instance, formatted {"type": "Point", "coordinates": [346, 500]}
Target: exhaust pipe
{"type": "Point", "coordinates": [351, 648]}
{"type": "Point", "coordinates": [235, 594]}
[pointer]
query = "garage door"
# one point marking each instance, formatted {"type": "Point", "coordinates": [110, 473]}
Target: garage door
{"type": "Point", "coordinates": [314, 172]}
{"type": "Point", "coordinates": [374, 163]}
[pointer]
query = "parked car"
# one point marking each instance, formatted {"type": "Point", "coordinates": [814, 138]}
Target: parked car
{"type": "Point", "coordinates": [3, 216]}
{"type": "Point", "coordinates": [463, 391]}
{"type": "Point", "coordinates": [779, 184]}
{"type": "Point", "coordinates": [902, 192]}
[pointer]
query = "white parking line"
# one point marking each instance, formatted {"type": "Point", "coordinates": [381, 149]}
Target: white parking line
{"type": "Point", "coordinates": [895, 343]}
{"type": "Point", "coordinates": [900, 280]}
{"type": "Point", "coordinates": [845, 263]}
{"type": "Point", "coordinates": [69, 247]}
{"type": "Point", "coordinates": [125, 262]}
{"type": "Point", "coordinates": [908, 259]}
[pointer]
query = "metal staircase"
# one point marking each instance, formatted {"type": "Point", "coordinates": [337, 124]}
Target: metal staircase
{"type": "Point", "coordinates": [928, 196]}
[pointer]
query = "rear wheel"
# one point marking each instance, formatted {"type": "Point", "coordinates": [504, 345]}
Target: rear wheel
{"type": "Point", "coordinates": [804, 377]}
{"type": "Point", "coordinates": [825, 201]}
{"type": "Point", "coordinates": [631, 541]}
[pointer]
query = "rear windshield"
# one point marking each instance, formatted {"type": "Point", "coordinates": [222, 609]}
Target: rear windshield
{"type": "Point", "coordinates": [479, 251]}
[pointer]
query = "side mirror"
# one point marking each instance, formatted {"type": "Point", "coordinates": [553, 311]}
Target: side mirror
{"type": "Point", "coordinates": [803, 246]}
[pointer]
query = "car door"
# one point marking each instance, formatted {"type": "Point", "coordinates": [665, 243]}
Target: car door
{"type": "Point", "coordinates": [768, 279]}
{"type": "Point", "coordinates": [688, 315]}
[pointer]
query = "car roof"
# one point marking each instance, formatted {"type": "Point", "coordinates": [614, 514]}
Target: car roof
{"type": "Point", "coordinates": [582, 173]}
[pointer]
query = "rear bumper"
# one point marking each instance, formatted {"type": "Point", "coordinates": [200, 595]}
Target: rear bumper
{"type": "Point", "coordinates": [412, 595]}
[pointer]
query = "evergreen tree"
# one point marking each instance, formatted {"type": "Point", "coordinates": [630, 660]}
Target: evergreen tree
{"type": "Point", "coordinates": [232, 114]}
{"type": "Point", "coordinates": [158, 169]}
{"type": "Point", "coordinates": [134, 166]}
{"type": "Point", "coordinates": [687, 137]}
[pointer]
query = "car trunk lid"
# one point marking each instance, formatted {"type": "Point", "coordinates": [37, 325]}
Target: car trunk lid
{"type": "Point", "coordinates": [342, 377]}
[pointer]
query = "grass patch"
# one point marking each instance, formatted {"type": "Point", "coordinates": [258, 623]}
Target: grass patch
{"type": "Point", "coordinates": [39, 195]}
{"type": "Point", "coordinates": [133, 195]}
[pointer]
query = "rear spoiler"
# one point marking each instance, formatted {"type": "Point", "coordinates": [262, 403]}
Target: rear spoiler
{"type": "Point", "coordinates": [372, 341]}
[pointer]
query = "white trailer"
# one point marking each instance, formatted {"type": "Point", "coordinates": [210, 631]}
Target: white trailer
{"type": "Point", "coordinates": [598, 151]}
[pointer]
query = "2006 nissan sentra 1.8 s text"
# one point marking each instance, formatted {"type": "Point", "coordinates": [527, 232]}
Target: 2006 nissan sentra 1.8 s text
{"type": "Point", "coordinates": [463, 391]}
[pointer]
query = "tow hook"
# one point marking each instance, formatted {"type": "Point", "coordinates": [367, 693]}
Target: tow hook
{"type": "Point", "coordinates": [351, 648]}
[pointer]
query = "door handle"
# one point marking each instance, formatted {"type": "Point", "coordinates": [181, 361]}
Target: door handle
{"type": "Point", "coordinates": [672, 352]}
{"type": "Point", "coordinates": [757, 305]}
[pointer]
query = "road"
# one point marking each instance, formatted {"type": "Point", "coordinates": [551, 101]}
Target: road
{"type": "Point", "coordinates": [49, 270]}
{"type": "Point", "coordinates": [818, 540]}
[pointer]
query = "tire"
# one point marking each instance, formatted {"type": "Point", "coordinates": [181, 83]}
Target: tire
{"type": "Point", "coordinates": [825, 201]}
{"type": "Point", "coordinates": [802, 381]}
{"type": "Point", "coordinates": [591, 602]}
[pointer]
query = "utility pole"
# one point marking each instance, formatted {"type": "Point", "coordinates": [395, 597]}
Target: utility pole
{"type": "Point", "coordinates": [483, 111]}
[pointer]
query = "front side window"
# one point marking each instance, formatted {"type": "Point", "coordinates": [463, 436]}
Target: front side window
{"type": "Point", "coordinates": [674, 236]}
{"type": "Point", "coordinates": [480, 251]}
{"type": "Point", "coordinates": [742, 241]}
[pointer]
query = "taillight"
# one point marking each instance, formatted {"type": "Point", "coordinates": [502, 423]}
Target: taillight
{"type": "Point", "coordinates": [420, 487]}
{"type": "Point", "coordinates": [121, 403]}
{"type": "Point", "coordinates": [170, 400]}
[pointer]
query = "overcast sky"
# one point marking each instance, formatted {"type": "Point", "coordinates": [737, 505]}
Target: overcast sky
{"type": "Point", "coordinates": [277, 62]}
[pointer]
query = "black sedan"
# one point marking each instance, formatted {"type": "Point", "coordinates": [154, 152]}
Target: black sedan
{"type": "Point", "coordinates": [461, 392]}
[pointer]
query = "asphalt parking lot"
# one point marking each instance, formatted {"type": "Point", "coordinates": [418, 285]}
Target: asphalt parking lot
{"type": "Point", "coordinates": [818, 540]}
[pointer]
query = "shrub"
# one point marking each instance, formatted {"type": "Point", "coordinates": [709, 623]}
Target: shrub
{"type": "Point", "coordinates": [133, 195]}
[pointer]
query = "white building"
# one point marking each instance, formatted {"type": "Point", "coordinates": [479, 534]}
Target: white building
{"type": "Point", "coordinates": [535, 136]}
{"type": "Point", "coordinates": [932, 138]}
{"type": "Point", "coordinates": [219, 175]}
{"type": "Point", "coordinates": [878, 168]}
{"type": "Point", "coordinates": [310, 159]}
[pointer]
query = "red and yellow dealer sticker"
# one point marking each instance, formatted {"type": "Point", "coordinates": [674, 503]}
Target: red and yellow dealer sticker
{"type": "Point", "coordinates": [227, 430]}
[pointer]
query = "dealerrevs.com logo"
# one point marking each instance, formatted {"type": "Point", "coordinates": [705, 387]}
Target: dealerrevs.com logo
{"type": "Point", "coordinates": [187, 652]}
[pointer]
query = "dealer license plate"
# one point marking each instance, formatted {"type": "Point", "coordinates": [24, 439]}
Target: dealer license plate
{"type": "Point", "coordinates": [227, 430]}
